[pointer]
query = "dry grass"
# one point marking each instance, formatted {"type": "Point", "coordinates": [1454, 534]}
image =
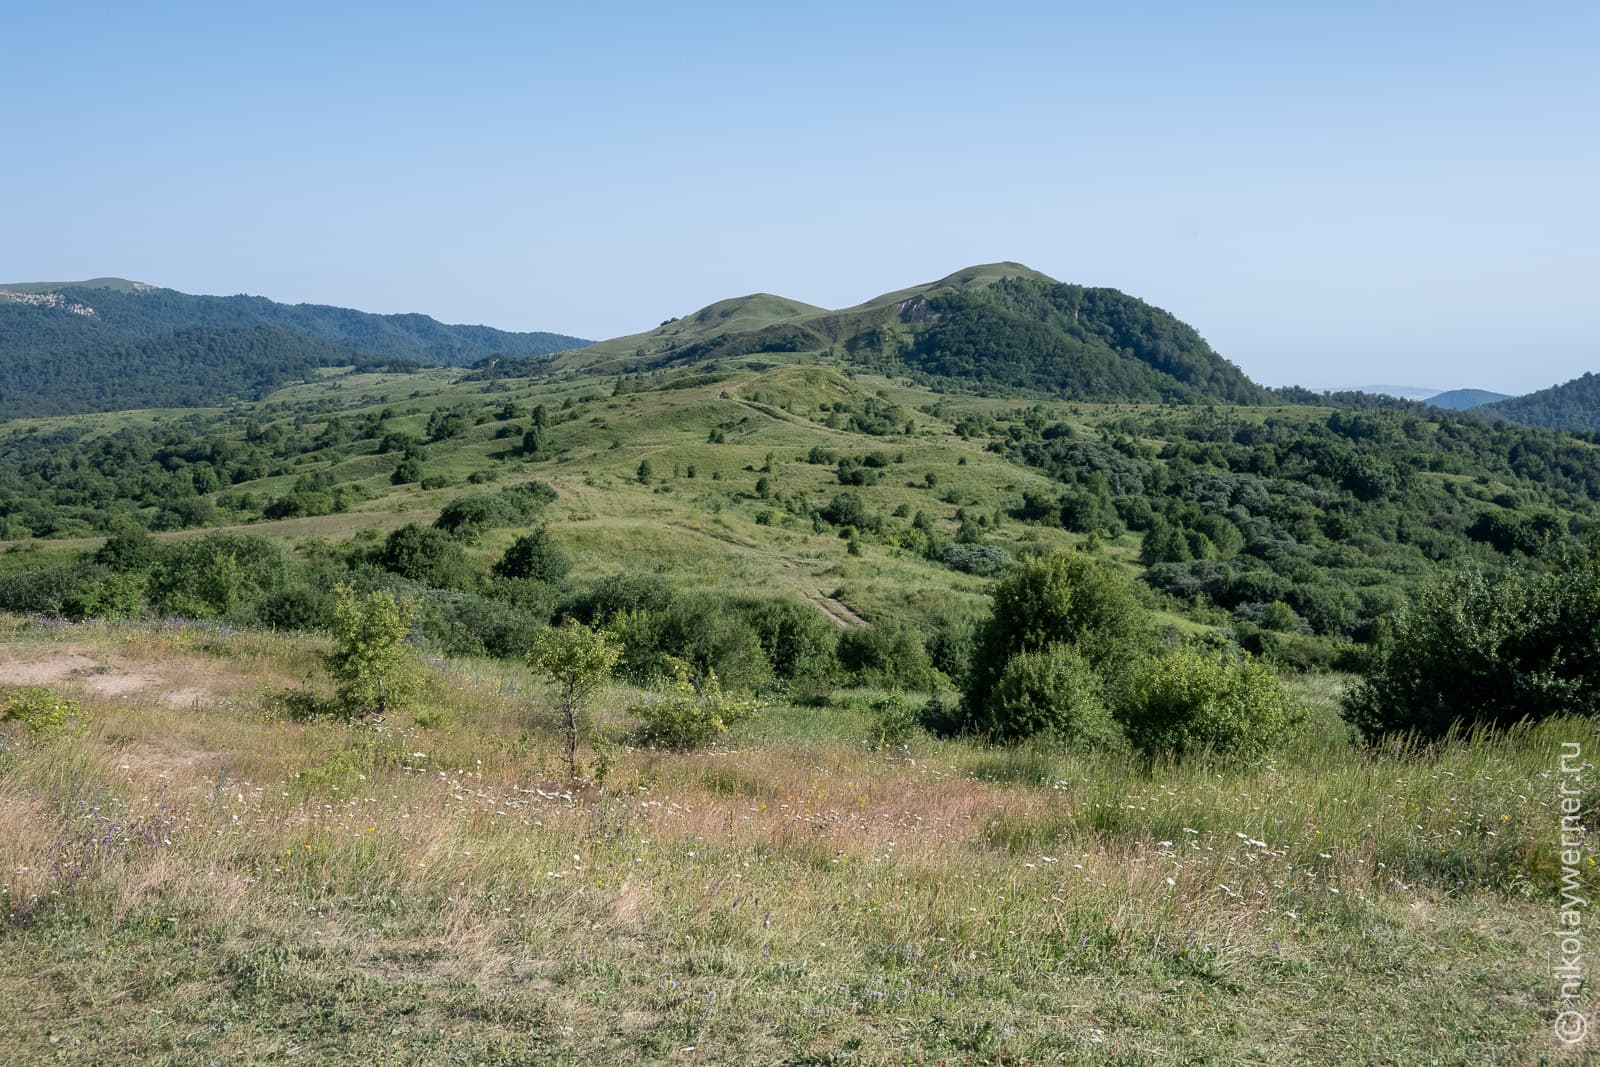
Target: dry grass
{"type": "Point", "coordinates": [218, 882]}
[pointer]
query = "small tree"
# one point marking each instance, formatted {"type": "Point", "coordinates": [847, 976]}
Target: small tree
{"type": "Point", "coordinates": [425, 555]}
{"type": "Point", "coordinates": [536, 556]}
{"type": "Point", "coordinates": [407, 472]}
{"type": "Point", "coordinates": [1068, 599]}
{"type": "Point", "coordinates": [645, 472]}
{"type": "Point", "coordinates": [370, 662]}
{"type": "Point", "coordinates": [578, 660]}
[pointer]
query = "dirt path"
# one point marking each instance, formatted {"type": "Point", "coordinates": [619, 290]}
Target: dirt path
{"type": "Point", "coordinates": [842, 616]}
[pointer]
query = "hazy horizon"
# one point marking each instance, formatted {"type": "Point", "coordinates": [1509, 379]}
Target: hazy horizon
{"type": "Point", "coordinates": [1330, 198]}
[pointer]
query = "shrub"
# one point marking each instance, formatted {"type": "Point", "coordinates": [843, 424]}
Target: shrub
{"type": "Point", "coordinates": [1050, 692]}
{"type": "Point", "coordinates": [38, 708]}
{"type": "Point", "coordinates": [535, 599]}
{"type": "Point", "coordinates": [536, 556]}
{"type": "Point", "coordinates": [215, 575]}
{"type": "Point", "coordinates": [847, 509]}
{"type": "Point", "coordinates": [1065, 599]}
{"type": "Point", "coordinates": [982, 560]}
{"type": "Point", "coordinates": [1480, 647]}
{"type": "Point", "coordinates": [894, 723]}
{"type": "Point", "coordinates": [466, 624]}
{"type": "Point", "coordinates": [297, 607]}
{"type": "Point", "coordinates": [887, 654]}
{"type": "Point", "coordinates": [609, 597]}
{"type": "Point", "coordinates": [468, 517]}
{"type": "Point", "coordinates": [407, 472]}
{"type": "Point", "coordinates": [800, 645]}
{"type": "Point", "coordinates": [707, 630]}
{"type": "Point", "coordinates": [1189, 698]}
{"type": "Point", "coordinates": [424, 555]}
{"type": "Point", "coordinates": [950, 645]}
{"type": "Point", "coordinates": [131, 548]}
{"type": "Point", "coordinates": [371, 665]}
{"type": "Point", "coordinates": [118, 595]}
{"type": "Point", "coordinates": [47, 590]}
{"type": "Point", "coordinates": [689, 718]}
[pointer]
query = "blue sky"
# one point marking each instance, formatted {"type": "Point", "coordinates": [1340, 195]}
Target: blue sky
{"type": "Point", "coordinates": [1347, 195]}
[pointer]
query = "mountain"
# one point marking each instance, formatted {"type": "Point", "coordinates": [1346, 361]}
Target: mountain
{"type": "Point", "coordinates": [1572, 406]}
{"type": "Point", "coordinates": [995, 327]}
{"type": "Point", "coordinates": [1403, 392]}
{"type": "Point", "coordinates": [112, 343]}
{"type": "Point", "coordinates": [1465, 399]}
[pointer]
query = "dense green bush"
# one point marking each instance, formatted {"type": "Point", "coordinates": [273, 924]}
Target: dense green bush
{"type": "Point", "coordinates": [601, 601]}
{"type": "Point", "coordinates": [888, 654]}
{"type": "Point", "coordinates": [1485, 646]}
{"type": "Point", "coordinates": [130, 548]}
{"type": "Point", "coordinates": [48, 590]}
{"type": "Point", "coordinates": [1068, 599]}
{"type": "Point", "coordinates": [456, 623]}
{"type": "Point", "coordinates": [982, 560]}
{"type": "Point", "coordinates": [952, 639]}
{"type": "Point", "coordinates": [800, 645]}
{"type": "Point", "coordinates": [536, 556]}
{"type": "Point", "coordinates": [216, 575]}
{"type": "Point", "coordinates": [1053, 692]}
{"type": "Point", "coordinates": [409, 470]}
{"type": "Point", "coordinates": [848, 509]}
{"type": "Point", "coordinates": [689, 717]}
{"type": "Point", "coordinates": [115, 595]}
{"type": "Point", "coordinates": [425, 555]}
{"type": "Point", "coordinates": [468, 517]}
{"type": "Point", "coordinates": [1188, 698]}
{"type": "Point", "coordinates": [296, 607]}
{"type": "Point", "coordinates": [707, 631]}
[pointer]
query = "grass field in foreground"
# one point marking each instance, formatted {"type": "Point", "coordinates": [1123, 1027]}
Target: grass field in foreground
{"type": "Point", "coordinates": [188, 877]}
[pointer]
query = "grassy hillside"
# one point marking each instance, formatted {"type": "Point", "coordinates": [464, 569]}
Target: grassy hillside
{"type": "Point", "coordinates": [999, 326]}
{"type": "Point", "coordinates": [992, 328]}
{"type": "Point", "coordinates": [208, 861]}
{"type": "Point", "coordinates": [748, 460]}
{"type": "Point", "coordinates": [191, 873]}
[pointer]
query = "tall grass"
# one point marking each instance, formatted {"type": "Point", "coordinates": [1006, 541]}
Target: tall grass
{"type": "Point", "coordinates": [386, 889]}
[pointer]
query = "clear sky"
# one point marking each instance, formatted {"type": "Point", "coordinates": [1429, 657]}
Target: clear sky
{"type": "Point", "coordinates": [1333, 194]}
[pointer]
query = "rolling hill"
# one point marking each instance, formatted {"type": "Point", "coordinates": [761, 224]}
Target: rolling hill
{"type": "Point", "coordinates": [110, 344]}
{"type": "Point", "coordinates": [1574, 405]}
{"type": "Point", "coordinates": [997, 327]}
{"type": "Point", "coordinates": [1465, 399]}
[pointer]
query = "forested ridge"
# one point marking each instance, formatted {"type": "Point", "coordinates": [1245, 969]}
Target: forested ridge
{"type": "Point", "coordinates": [1574, 405]}
{"type": "Point", "coordinates": [1068, 340]}
{"type": "Point", "coordinates": [104, 349]}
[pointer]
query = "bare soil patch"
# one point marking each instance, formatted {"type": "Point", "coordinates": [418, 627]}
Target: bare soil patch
{"type": "Point", "coordinates": [106, 674]}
